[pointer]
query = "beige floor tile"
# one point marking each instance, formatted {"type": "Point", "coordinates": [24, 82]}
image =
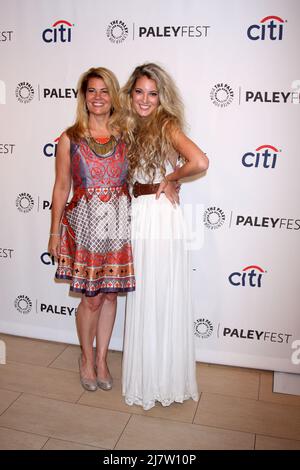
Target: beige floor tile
{"type": "Point", "coordinates": [10, 439]}
{"type": "Point", "coordinates": [234, 406]}
{"type": "Point", "coordinates": [43, 381]}
{"type": "Point", "coordinates": [68, 360]}
{"type": "Point", "coordinates": [202, 364]}
{"type": "Point", "coordinates": [6, 397]}
{"type": "Point", "coordinates": [114, 361]}
{"type": "Point", "coordinates": [232, 381]}
{"type": "Point", "coordinates": [266, 392]}
{"type": "Point", "coordinates": [31, 351]}
{"type": "Point", "coordinates": [236, 368]}
{"type": "Point", "coordinates": [66, 421]}
{"type": "Point", "coordinates": [153, 433]}
{"type": "Point", "coordinates": [249, 416]}
{"type": "Point", "coordinates": [111, 400]}
{"type": "Point", "coordinates": [57, 444]}
{"type": "Point", "coordinates": [114, 400]}
{"type": "Point", "coordinates": [272, 443]}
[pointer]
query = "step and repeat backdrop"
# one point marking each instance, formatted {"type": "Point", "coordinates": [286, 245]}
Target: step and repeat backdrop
{"type": "Point", "coordinates": [237, 66]}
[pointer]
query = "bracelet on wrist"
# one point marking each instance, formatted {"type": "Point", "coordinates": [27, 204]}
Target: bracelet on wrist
{"type": "Point", "coordinates": [54, 234]}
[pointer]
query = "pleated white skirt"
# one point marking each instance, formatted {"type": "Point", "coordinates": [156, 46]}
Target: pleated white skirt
{"type": "Point", "coordinates": [158, 359]}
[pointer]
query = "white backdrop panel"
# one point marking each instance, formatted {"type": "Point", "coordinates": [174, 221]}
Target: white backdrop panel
{"type": "Point", "coordinates": [244, 212]}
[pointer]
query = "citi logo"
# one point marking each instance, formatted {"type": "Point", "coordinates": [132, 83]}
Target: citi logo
{"type": "Point", "coordinates": [47, 259]}
{"type": "Point", "coordinates": [60, 31]}
{"type": "Point", "coordinates": [250, 276]}
{"type": "Point", "coordinates": [270, 27]}
{"type": "Point", "coordinates": [265, 156]}
{"type": "Point", "coordinates": [49, 150]}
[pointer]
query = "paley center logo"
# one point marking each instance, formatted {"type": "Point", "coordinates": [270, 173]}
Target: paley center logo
{"type": "Point", "coordinates": [60, 31]}
{"type": "Point", "coordinates": [222, 95]}
{"type": "Point", "coordinates": [264, 156]}
{"type": "Point", "coordinates": [266, 222]}
{"type": "Point", "coordinates": [213, 217]}
{"type": "Point", "coordinates": [282, 97]}
{"type": "Point", "coordinates": [23, 304]}
{"type": "Point", "coordinates": [256, 335]}
{"type": "Point", "coordinates": [24, 202]}
{"type": "Point", "coordinates": [117, 31]}
{"type": "Point", "coordinates": [270, 27]}
{"type": "Point", "coordinates": [175, 31]}
{"type": "Point", "coordinates": [24, 92]}
{"type": "Point", "coordinates": [250, 276]}
{"type": "Point", "coordinates": [57, 93]}
{"type": "Point", "coordinates": [64, 310]}
{"type": "Point", "coordinates": [203, 328]}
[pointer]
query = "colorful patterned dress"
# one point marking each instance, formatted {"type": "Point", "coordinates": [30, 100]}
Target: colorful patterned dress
{"type": "Point", "coordinates": [95, 250]}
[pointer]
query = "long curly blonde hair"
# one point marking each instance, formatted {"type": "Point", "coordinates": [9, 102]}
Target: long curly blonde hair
{"type": "Point", "coordinates": [80, 127]}
{"type": "Point", "coordinates": [149, 140]}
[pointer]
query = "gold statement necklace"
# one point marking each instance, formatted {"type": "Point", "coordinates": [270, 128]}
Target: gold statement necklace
{"type": "Point", "coordinates": [102, 146]}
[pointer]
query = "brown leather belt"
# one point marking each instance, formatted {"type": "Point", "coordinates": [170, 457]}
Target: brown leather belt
{"type": "Point", "coordinates": [140, 189]}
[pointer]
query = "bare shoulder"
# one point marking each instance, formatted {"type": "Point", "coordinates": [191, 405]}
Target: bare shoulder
{"type": "Point", "coordinates": [64, 140]}
{"type": "Point", "coordinates": [179, 138]}
{"type": "Point", "coordinates": [63, 157]}
{"type": "Point", "coordinates": [181, 142]}
{"type": "Point", "coordinates": [187, 148]}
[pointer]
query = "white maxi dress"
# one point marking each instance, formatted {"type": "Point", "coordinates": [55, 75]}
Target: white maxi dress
{"type": "Point", "coordinates": [158, 353]}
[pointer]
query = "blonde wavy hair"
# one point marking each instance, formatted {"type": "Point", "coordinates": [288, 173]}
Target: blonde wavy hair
{"type": "Point", "coordinates": [80, 127]}
{"type": "Point", "coordinates": [150, 139]}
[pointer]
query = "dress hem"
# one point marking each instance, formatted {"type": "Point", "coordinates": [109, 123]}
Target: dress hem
{"type": "Point", "coordinates": [130, 401]}
{"type": "Point", "coordinates": [89, 293]}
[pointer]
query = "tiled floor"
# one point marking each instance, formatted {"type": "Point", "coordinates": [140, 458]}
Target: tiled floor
{"type": "Point", "coordinates": [43, 406]}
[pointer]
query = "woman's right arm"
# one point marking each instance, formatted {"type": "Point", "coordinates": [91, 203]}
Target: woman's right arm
{"type": "Point", "coordinates": [61, 191]}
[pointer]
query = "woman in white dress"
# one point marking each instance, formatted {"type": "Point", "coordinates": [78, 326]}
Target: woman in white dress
{"type": "Point", "coordinates": [158, 358]}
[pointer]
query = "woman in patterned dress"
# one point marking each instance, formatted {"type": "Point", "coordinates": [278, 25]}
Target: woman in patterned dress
{"type": "Point", "coordinates": [91, 235]}
{"type": "Point", "coordinates": [158, 359]}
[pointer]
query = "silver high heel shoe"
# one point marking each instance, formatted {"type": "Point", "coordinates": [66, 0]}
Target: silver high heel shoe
{"type": "Point", "coordinates": [88, 384]}
{"type": "Point", "coordinates": [105, 384]}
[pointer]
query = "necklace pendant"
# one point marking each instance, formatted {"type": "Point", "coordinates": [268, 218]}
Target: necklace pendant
{"type": "Point", "coordinates": [103, 146]}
